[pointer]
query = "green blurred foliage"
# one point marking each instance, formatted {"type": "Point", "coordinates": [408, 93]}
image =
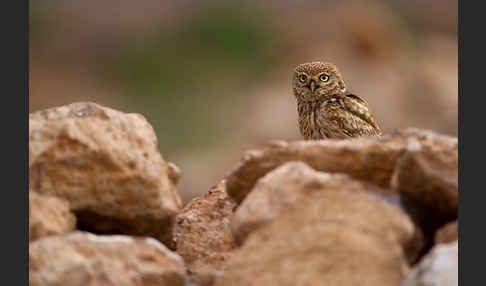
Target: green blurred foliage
{"type": "Point", "coordinates": [39, 21]}
{"type": "Point", "coordinates": [182, 76]}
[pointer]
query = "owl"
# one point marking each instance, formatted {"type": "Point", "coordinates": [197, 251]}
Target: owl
{"type": "Point", "coordinates": [325, 108]}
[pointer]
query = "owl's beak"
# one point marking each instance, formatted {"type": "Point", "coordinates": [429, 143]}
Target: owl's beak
{"type": "Point", "coordinates": [313, 85]}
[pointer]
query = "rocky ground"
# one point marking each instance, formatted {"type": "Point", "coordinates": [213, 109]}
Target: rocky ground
{"type": "Point", "coordinates": [104, 209]}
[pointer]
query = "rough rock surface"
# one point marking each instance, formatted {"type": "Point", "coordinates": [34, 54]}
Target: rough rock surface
{"type": "Point", "coordinates": [334, 237]}
{"type": "Point", "coordinates": [284, 185]}
{"type": "Point", "coordinates": [205, 278]}
{"type": "Point", "coordinates": [90, 260]}
{"type": "Point", "coordinates": [49, 216]}
{"type": "Point", "coordinates": [202, 232]}
{"type": "Point", "coordinates": [438, 268]}
{"type": "Point", "coordinates": [369, 159]}
{"type": "Point", "coordinates": [427, 174]}
{"type": "Point", "coordinates": [448, 233]}
{"type": "Point", "coordinates": [106, 164]}
{"type": "Point", "coordinates": [333, 212]}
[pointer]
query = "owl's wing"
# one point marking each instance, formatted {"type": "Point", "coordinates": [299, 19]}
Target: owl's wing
{"type": "Point", "coordinates": [349, 116]}
{"type": "Point", "coordinates": [356, 97]}
{"type": "Point", "coordinates": [358, 106]}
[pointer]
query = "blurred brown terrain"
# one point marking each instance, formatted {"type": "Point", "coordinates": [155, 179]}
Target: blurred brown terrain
{"type": "Point", "coordinates": [214, 78]}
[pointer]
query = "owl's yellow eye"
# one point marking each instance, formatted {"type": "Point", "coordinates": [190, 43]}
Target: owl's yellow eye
{"type": "Point", "coordinates": [323, 77]}
{"type": "Point", "coordinates": [302, 78]}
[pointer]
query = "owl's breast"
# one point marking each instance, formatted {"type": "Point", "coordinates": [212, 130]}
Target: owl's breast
{"type": "Point", "coordinates": [309, 120]}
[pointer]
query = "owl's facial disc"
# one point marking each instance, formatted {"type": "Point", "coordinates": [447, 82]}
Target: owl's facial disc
{"type": "Point", "coordinates": [314, 81]}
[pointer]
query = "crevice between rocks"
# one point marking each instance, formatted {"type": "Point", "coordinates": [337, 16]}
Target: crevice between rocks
{"type": "Point", "coordinates": [139, 226]}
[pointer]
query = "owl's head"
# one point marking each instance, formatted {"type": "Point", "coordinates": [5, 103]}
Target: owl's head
{"type": "Point", "coordinates": [316, 80]}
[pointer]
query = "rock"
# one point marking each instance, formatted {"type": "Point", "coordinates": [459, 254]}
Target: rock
{"type": "Point", "coordinates": [427, 175]}
{"type": "Point", "coordinates": [283, 186]}
{"type": "Point", "coordinates": [106, 164]}
{"type": "Point", "coordinates": [333, 237]}
{"type": "Point", "coordinates": [371, 160]}
{"type": "Point", "coordinates": [86, 259]}
{"type": "Point", "coordinates": [49, 216]}
{"type": "Point", "coordinates": [173, 172]}
{"type": "Point", "coordinates": [204, 278]}
{"type": "Point", "coordinates": [448, 233]}
{"type": "Point", "coordinates": [202, 232]}
{"type": "Point", "coordinates": [438, 268]}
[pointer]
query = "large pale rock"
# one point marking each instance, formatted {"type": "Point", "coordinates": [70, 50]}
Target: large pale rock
{"type": "Point", "coordinates": [332, 237]}
{"type": "Point", "coordinates": [49, 216]}
{"type": "Point", "coordinates": [368, 159]}
{"type": "Point", "coordinates": [202, 232]}
{"type": "Point", "coordinates": [371, 160]}
{"type": "Point", "coordinates": [205, 278]}
{"type": "Point", "coordinates": [427, 174]}
{"type": "Point", "coordinates": [84, 259]}
{"type": "Point", "coordinates": [438, 268]}
{"type": "Point", "coordinates": [106, 164]}
{"type": "Point", "coordinates": [448, 233]}
{"type": "Point", "coordinates": [285, 185]}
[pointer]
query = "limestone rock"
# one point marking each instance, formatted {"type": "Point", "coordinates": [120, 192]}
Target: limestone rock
{"type": "Point", "coordinates": [86, 259]}
{"type": "Point", "coordinates": [283, 186]}
{"type": "Point", "coordinates": [371, 160]}
{"type": "Point", "coordinates": [106, 164]}
{"type": "Point", "coordinates": [204, 278]}
{"type": "Point", "coordinates": [333, 237]}
{"type": "Point", "coordinates": [49, 216]}
{"type": "Point", "coordinates": [202, 232]}
{"type": "Point", "coordinates": [448, 233]}
{"type": "Point", "coordinates": [427, 174]}
{"type": "Point", "coordinates": [438, 268]}
{"type": "Point", "coordinates": [368, 159]}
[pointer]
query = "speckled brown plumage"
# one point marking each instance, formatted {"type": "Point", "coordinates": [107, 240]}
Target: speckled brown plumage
{"type": "Point", "coordinates": [326, 109]}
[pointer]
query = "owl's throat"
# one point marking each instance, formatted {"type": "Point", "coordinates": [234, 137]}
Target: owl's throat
{"type": "Point", "coordinates": [308, 106]}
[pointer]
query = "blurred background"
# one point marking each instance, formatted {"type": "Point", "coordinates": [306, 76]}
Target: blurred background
{"type": "Point", "coordinates": [214, 77]}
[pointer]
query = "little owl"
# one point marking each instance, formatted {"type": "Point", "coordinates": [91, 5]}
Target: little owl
{"type": "Point", "coordinates": [326, 109]}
